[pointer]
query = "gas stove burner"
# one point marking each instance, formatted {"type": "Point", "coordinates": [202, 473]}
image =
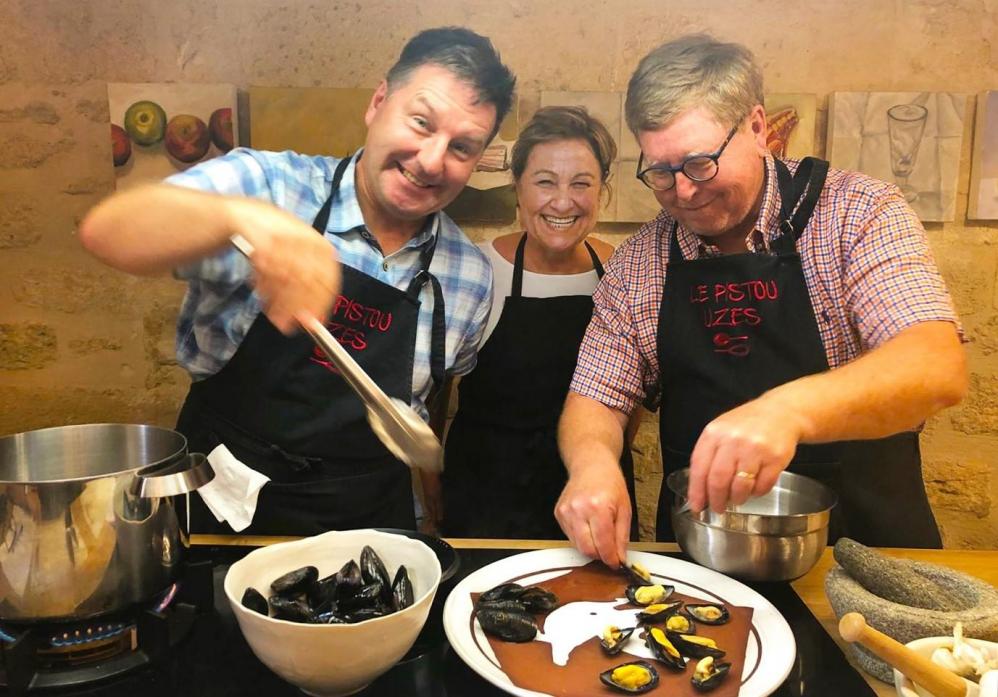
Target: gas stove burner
{"type": "Point", "coordinates": [43, 656]}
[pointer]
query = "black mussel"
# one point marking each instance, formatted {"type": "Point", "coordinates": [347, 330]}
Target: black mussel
{"type": "Point", "coordinates": [508, 626]}
{"type": "Point", "coordinates": [659, 612]}
{"type": "Point", "coordinates": [637, 573]}
{"type": "Point", "coordinates": [402, 595]}
{"type": "Point", "coordinates": [708, 613]}
{"type": "Point", "coordinates": [504, 591]}
{"type": "Point", "coordinates": [295, 582]}
{"type": "Point", "coordinates": [709, 673]}
{"type": "Point", "coordinates": [254, 600]}
{"type": "Point", "coordinates": [331, 617]}
{"type": "Point", "coordinates": [367, 596]}
{"type": "Point", "coordinates": [680, 624]}
{"type": "Point", "coordinates": [290, 609]}
{"type": "Point", "coordinates": [634, 678]}
{"type": "Point", "coordinates": [367, 613]}
{"type": "Point", "coordinates": [506, 605]}
{"type": "Point", "coordinates": [662, 649]}
{"type": "Point", "coordinates": [373, 570]}
{"type": "Point", "coordinates": [649, 595]}
{"type": "Point", "coordinates": [321, 595]}
{"type": "Point", "coordinates": [349, 579]}
{"type": "Point", "coordinates": [613, 639]}
{"type": "Point", "coordinates": [538, 599]}
{"type": "Point", "coordinates": [693, 646]}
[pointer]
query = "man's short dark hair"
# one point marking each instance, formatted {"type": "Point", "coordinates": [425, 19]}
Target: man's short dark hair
{"type": "Point", "coordinates": [469, 56]}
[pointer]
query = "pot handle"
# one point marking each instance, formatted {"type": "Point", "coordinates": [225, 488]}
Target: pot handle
{"type": "Point", "coordinates": [180, 477]}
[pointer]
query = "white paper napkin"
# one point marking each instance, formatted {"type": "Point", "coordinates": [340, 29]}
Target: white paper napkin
{"type": "Point", "coordinates": [231, 496]}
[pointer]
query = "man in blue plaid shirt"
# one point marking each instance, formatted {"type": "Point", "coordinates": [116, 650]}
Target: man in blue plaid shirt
{"type": "Point", "coordinates": [360, 243]}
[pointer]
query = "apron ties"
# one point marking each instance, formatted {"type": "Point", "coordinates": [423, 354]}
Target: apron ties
{"type": "Point", "coordinates": [735, 326]}
{"type": "Point", "coordinates": [282, 408]}
{"type": "Point", "coordinates": [503, 471]}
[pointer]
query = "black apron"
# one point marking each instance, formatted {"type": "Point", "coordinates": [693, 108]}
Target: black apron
{"type": "Point", "coordinates": [503, 474]}
{"type": "Point", "coordinates": [282, 409]}
{"type": "Point", "coordinates": [732, 327]}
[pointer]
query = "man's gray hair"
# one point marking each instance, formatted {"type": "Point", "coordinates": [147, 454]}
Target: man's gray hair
{"type": "Point", "coordinates": [693, 71]}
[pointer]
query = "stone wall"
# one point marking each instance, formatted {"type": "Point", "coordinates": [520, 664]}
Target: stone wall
{"type": "Point", "coordinates": [80, 343]}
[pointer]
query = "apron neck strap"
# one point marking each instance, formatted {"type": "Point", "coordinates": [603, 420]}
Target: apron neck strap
{"type": "Point", "coordinates": [800, 192]}
{"type": "Point", "coordinates": [322, 217]}
{"type": "Point", "coordinates": [516, 288]}
{"type": "Point", "coordinates": [438, 334]}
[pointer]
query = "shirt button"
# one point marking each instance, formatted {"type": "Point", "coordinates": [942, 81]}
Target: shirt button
{"type": "Point", "coordinates": [384, 265]}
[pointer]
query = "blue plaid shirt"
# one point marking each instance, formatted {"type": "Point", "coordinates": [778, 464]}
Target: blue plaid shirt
{"type": "Point", "coordinates": [220, 306]}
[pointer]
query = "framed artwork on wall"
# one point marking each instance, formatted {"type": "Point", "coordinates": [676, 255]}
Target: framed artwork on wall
{"type": "Point", "coordinates": [983, 199]}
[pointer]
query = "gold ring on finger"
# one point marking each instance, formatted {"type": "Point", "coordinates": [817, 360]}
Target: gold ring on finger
{"type": "Point", "coordinates": [742, 474]}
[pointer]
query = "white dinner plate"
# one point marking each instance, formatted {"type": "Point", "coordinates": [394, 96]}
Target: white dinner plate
{"type": "Point", "coordinates": [771, 647]}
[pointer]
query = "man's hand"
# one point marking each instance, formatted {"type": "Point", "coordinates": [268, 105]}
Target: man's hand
{"type": "Point", "coordinates": [741, 454]}
{"type": "Point", "coordinates": [594, 511]}
{"type": "Point", "coordinates": [295, 270]}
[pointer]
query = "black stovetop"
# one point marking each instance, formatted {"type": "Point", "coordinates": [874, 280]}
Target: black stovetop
{"type": "Point", "coordinates": [215, 659]}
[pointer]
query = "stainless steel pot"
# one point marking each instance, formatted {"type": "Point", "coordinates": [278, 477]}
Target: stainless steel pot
{"type": "Point", "coordinates": [86, 523]}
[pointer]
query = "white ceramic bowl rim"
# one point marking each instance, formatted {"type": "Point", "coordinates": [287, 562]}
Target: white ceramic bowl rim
{"type": "Point", "coordinates": [279, 547]}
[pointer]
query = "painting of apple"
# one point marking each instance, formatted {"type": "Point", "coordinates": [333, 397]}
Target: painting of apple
{"type": "Point", "coordinates": [187, 138]}
{"type": "Point", "coordinates": [121, 145]}
{"type": "Point", "coordinates": [145, 122]}
{"type": "Point", "coordinates": [220, 126]}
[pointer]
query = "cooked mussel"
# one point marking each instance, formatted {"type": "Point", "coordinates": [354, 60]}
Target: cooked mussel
{"type": "Point", "coordinates": [290, 609]}
{"type": "Point", "coordinates": [634, 678]}
{"type": "Point", "coordinates": [348, 578]}
{"type": "Point", "coordinates": [708, 613]}
{"type": "Point", "coordinates": [254, 600]}
{"type": "Point", "coordinates": [367, 596]}
{"type": "Point", "coordinates": [321, 595]}
{"type": "Point", "coordinates": [367, 613]}
{"type": "Point", "coordinates": [649, 595]}
{"type": "Point", "coordinates": [331, 617]}
{"type": "Point", "coordinates": [373, 570]}
{"type": "Point", "coordinates": [295, 582]}
{"type": "Point", "coordinates": [680, 624]}
{"type": "Point", "coordinates": [538, 599]}
{"type": "Point", "coordinates": [663, 649]}
{"type": "Point", "coordinates": [694, 646]}
{"type": "Point", "coordinates": [638, 573]}
{"type": "Point", "coordinates": [507, 625]}
{"type": "Point", "coordinates": [709, 673]}
{"type": "Point", "coordinates": [613, 639]}
{"type": "Point", "coordinates": [660, 612]}
{"type": "Point", "coordinates": [507, 605]}
{"type": "Point", "coordinates": [504, 591]}
{"type": "Point", "coordinates": [402, 594]}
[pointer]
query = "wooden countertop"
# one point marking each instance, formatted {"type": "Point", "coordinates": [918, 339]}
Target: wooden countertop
{"type": "Point", "coordinates": [982, 564]}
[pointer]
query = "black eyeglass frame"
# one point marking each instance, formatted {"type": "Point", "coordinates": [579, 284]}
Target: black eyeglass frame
{"type": "Point", "coordinates": [681, 167]}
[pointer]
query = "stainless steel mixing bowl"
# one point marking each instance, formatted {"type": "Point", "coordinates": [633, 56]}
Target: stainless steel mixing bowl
{"type": "Point", "coordinates": [775, 537]}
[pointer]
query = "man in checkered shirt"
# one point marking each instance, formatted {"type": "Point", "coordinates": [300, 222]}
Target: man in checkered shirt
{"type": "Point", "coordinates": [358, 242]}
{"type": "Point", "coordinates": [778, 313]}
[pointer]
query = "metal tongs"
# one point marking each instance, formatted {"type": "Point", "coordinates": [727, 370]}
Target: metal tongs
{"type": "Point", "coordinates": [393, 421]}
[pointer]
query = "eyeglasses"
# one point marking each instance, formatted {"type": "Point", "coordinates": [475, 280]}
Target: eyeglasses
{"type": "Point", "coordinates": [699, 168]}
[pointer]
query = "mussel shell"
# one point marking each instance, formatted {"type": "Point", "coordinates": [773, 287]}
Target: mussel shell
{"type": "Point", "coordinates": [612, 648]}
{"type": "Point", "coordinates": [506, 625]}
{"type": "Point", "coordinates": [290, 609]}
{"type": "Point", "coordinates": [373, 570]}
{"type": "Point", "coordinates": [634, 591]}
{"type": "Point", "coordinates": [348, 578]}
{"type": "Point", "coordinates": [402, 594]}
{"type": "Point", "coordinates": [660, 612]}
{"type": "Point", "coordinates": [504, 591]}
{"type": "Point", "coordinates": [606, 677]}
{"type": "Point", "coordinates": [254, 600]}
{"type": "Point", "coordinates": [692, 649]}
{"type": "Point", "coordinates": [537, 599]}
{"type": "Point", "coordinates": [295, 582]}
{"type": "Point", "coordinates": [658, 643]}
{"type": "Point", "coordinates": [719, 672]}
{"type": "Point", "coordinates": [367, 596]}
{"type": "Point", "coordinates": [507, 605]}
{"type": "Point", "coordinates": [680, 623]}
{"type": "Point", "coordinates": [321, 595]}
{"type": "Point", "coordinates": [692, 609]}
{"type": "Point", "coordinates": [331, 617]}
{"type": "Point", "coordinates": [367, 613]}
{"type": "Point", "coordinates": [638, 574]}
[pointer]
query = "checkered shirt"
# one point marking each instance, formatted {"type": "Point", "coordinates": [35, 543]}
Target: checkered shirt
{"type": "Point", "coordinates": [220, 306]}
{"type": "Point", "coordinates": [867, 266]}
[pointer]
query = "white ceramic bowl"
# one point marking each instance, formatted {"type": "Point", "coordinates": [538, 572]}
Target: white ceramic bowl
{"type": "Point", "coordinates": [905, 687]}
{"type": "Point", "coordinates": [330, 660]}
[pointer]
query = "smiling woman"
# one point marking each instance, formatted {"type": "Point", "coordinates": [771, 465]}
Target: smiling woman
{"type": "Point", "coordinates": [503, 473]}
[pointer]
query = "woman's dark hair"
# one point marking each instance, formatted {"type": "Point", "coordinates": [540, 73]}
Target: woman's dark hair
{"type": "Point", "coordinates": [469, 56]}
{"type": "Point", "coordinates": [552, 123]}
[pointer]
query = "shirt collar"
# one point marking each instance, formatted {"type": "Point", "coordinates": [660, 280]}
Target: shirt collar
{"type": "Point", "coordinates": [349, 216]}
{"type": "Point", "coordinates": [765, 230]}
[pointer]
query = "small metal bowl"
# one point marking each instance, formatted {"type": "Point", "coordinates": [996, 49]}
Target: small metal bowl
{"type": "Point", "coordinates": [775, 537]}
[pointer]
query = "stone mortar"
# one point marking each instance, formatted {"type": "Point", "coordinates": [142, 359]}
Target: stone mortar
{"type": "Point", "coordinates": [906, 623]}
